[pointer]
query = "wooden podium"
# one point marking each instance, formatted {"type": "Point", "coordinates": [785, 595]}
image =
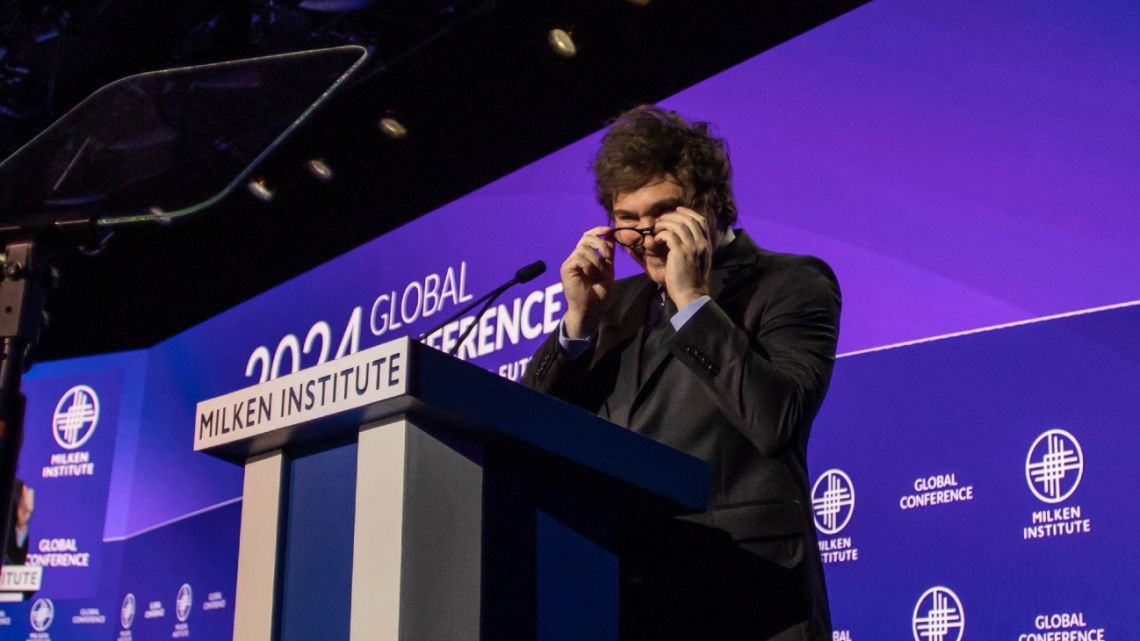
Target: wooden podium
{"type": "Point", "coordinates": [401, 494]}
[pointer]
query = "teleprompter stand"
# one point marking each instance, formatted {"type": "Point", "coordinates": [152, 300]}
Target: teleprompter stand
{"type": "Point", "coordinates": [21, 313]}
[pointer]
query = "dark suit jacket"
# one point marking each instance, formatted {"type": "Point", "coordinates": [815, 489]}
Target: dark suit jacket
{"type": "Point", "coordinates": [737, 386]}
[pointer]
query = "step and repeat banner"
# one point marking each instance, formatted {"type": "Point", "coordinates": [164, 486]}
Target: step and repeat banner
{"type": "Point", "coordinates": [77, 470]}
{"type": "Point", "coordinates": [955, 169]}
{"type": "Point", "coordinates": [976, 487]}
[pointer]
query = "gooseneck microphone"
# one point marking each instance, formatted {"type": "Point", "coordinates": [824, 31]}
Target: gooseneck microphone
{"type": "Point", "coordinates": [528, 273]}
{"type": "Point", "coordinates": [523, 275]}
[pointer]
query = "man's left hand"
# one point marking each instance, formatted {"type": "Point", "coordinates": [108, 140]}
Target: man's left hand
{"type": "Point", "coordinates": [689, 260]}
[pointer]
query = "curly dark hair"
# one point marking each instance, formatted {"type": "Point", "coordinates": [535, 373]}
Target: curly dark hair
{"type": "Point", "coordinates": [647, 142]}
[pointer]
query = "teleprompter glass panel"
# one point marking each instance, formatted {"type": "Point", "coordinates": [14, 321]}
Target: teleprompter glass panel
{"type": "Point", "coordinates": [166, 144]}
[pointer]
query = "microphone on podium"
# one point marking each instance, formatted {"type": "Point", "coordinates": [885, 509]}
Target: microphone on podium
{"type": "Point", "coordinates": [523, 275]}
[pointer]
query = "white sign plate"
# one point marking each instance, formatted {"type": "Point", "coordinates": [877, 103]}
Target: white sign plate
{"type": "Point", "coordinates": [360, 379]}
{"type": "Point", "coordinates": [21, 578]}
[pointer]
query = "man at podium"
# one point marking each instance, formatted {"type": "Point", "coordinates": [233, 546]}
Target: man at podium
{"type": "Point", "coordinates": [720, 349]}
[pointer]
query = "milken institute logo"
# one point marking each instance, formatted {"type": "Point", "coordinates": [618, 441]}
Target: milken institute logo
{"type": "Point", "coordinates": [127, 612]}
{"type": "Point", "coordinates": [938, 616]}
{"type": "Point", "coordinates": [1054, 466]}
{"type": "Point", "coordinates": [41, 614]}
{"type": "Point", "coordinates": [833, 501]}
{"type": "Point", "coordinates": [75, 417]}
{"type": "Point", "coordinates": [184, 602]}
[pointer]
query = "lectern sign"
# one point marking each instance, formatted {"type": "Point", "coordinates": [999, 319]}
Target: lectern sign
{"type": "Point", "coordinates": [21, 578]}
{"type": "Point", "coordinates": [347, 383]}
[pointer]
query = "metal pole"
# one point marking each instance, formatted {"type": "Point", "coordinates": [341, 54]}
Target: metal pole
{"type": "Point", "coordinates": [21, 318]}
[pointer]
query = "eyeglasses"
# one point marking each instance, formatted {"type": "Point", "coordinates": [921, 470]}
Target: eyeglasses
{"type": "Point", "coordinates": [634, 237]}
{"type": "Point", "coordinates": [631, 237]}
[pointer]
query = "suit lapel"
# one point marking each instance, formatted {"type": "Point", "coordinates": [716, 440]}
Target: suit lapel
{"type": "Point", "coordinates": [627, 321]}
{"type": "Point", "coordinates": [622, 327]}
{"type": "Point", "coordinates": [740, 253]}
{"type": "Point", "coordinates": [730, 263]}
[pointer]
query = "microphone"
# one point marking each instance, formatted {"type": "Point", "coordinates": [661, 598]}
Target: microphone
{"type": "Point", "coordinates": [529, 273]}
{"type": "Point", "coordinates": [523, 275]}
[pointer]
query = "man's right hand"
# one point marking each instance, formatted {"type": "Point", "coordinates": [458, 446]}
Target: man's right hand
{"type": "Point", "coordinates": [587, 275]}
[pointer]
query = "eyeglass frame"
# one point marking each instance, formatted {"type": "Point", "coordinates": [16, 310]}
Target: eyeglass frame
{"type": "Point", "coordinates": [642, 233]}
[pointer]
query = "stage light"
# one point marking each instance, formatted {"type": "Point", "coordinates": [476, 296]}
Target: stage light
{"type": "Point", "coordinates": [562, 44]}
{"type": "Point", "coordinates": [640, 3]}
{"type": "Point", "coordinates": [319, 169]}
{"type": "Point", "coordinates": [260, 190]}
{"type": "Point", "coordinates": [393, 128]}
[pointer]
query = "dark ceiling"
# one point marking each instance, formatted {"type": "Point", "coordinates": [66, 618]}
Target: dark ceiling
{"type": "Point", "coordinates": [476, 83]}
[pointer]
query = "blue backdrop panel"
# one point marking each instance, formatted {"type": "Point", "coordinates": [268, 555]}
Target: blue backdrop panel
{"type": "Point", "coordinates": [71, 423]}
{"type": "Point", "coordinates": [180, 578]}
{"type": "Point", "coordinates": [175, 581]}
{"type": "Point", "coordinates": [936, 439]}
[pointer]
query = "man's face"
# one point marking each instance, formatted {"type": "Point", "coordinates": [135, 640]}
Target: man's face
{"type": "Point", "coordinates": [641, 208]}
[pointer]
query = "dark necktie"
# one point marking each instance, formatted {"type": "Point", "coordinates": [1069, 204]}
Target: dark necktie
{"type": "Point", "coordinates": [654, 335]}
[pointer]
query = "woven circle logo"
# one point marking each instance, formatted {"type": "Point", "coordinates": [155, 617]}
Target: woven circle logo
{"type": "Point", "coordinates": [938, 616]}
{"type": "Point", "coordinates": [832, 501]}
{"type": "Point", "coordinates": [1054, 466]}
{"type": "Point", "coordinates": [127, 611]}
{"type": "Point", "coordinates": [75, 417]}
{"type": "Point", "coordinates": [41, 614]}
{"type": "Point", "coordinates": [184, 602]}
